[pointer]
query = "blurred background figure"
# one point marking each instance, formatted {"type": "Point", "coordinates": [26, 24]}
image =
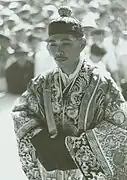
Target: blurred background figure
{"type": "Point", "coordinates": [96, 56]}
{"type": "Point", "coordinates": [122, 62]}
{"type": "Point", "coordinates": [89, 27]}
{"type": "Point", "coordinates": [19, 71]}
{"type": "Point", "coordinates": [123, 74]}
{"type": "Point", "coordinates": [98, 36]}
{"type": "Point", "coordinates": [4, 54]}
{"type": "Point", "coordinates": [102, 21]}
{"type": "Point", "coordinates": [37, 42]}
{"type": "Point", "coordinates": [43, 60]}
{"type": "Point", "coordinates": [97, 53]}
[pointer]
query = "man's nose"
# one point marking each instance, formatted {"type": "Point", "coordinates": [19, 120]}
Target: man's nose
{"type": "Point", "coordinates": [60, 47]}
{"type": "Point", "coordinates": [59, 50]}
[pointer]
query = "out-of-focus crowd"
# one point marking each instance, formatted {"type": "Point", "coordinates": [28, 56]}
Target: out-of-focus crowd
{"type": "Point", "coordinates": [23, 34]}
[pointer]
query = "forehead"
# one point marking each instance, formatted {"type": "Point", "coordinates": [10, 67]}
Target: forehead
{"type": "Point", "coordinates": [61, 37]}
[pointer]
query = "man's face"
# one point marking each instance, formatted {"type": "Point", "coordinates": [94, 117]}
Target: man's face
{"type": "Point", "coordinates": [10, 24]}
{"type": "Point", "coordinates": [20, 36]}
{"type": "Point", "coordinates": [34, 43]}
{"type": "Point", "coordinates": [95, 59]}
{"type": "Point", "coordinates": [98, 38]}
{"type": "Point", "coordinates": [21, 58]}
{"type": "Point", "coordinates": [64, 48]}
{"type": "Point", "coordinates": [40, 31]}
{"type": "Point", "coordinates": [4, 43]}
{"type": "Point", "coordinates": [115, 40]}
{"type": "Point", "coordinates": [104, 19]}
{"type": "Point", "coordinates": [116, 37]}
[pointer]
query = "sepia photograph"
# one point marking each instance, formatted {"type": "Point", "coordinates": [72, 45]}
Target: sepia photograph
{"type": "Point", "coordinates": [63, 89]}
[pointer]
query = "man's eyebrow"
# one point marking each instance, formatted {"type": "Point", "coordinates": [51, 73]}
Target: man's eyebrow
{"type": "Point", "coordinates": [50, 40]}
{"type": "Point", "coordinates": [66, 39]}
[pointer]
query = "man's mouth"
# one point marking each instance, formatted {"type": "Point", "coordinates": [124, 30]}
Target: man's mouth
{"type": "Point", "coordinates": [60, 58]}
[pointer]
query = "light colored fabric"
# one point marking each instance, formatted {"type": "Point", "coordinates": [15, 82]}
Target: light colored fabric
{"type": "Point", "coordinates": [111, 59]}
{"type": "Point", "coordinates": [101, 68]}
{"type": "Point", "coordinates": [67, 79]}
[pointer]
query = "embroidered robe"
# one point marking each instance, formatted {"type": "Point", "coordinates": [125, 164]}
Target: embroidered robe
{"type": "Point", "coordinates": [91, 110]}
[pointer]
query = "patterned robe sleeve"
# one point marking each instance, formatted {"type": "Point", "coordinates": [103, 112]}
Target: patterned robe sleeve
{"type": "Point", "coordinates": [101, 152]}
{"type": "Point", "coordinates": [28, 120]}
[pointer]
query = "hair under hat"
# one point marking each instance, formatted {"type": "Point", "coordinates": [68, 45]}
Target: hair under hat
{"type": "Point", "coordinates": [65, 24]}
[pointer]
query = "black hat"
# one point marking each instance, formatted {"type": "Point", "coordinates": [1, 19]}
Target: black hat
{"type": "Point", "coordinates": [65, 24]}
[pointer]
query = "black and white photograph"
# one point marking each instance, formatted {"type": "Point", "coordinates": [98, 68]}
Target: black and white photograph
{"type": "Point", "coordinates": [63, 89]}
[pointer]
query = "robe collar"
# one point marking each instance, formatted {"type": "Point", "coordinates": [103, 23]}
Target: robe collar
{"type": "Point", "coordinates": [67, 79]}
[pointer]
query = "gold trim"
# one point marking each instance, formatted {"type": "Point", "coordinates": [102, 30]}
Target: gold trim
{"type": "Point", "coordinates": [48, 109]}
{"type": "Point", "coordinates": [96, 148]}
{"type": "Point", "coordinates": [87, 110]}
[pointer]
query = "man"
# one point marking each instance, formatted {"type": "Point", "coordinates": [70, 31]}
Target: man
{"type": "Point", "coordinates": [18, 71]}
{"type": "Point", "coordinates": [103, 20]}
{"type": "Point", "coordinates": [4, 44]}
{"type": "Point", "coordinates": [73, 117]}
{"type": "Point", "coordinates": [122, 3]}
{"type": "Point", "coordinates": [103, 39]}
{"type": "Point", "coordinates": [123, 74]}
{"type": "Point", "coordinates": [98, 36]}
{"type": "Point", "coordinates": [96, 53]}
{"type": "Point", "coordinates": [39, 46]}
{"type": "Point", "coordinates": [122, 63]}
{"type": "Point", "coordinates": [4, 54]}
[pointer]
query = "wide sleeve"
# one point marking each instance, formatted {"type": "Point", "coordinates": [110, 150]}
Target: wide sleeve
{"type": "Point", "coordinates": [101, 152]}
{"type": "Point", "coordinates": [28, 117]}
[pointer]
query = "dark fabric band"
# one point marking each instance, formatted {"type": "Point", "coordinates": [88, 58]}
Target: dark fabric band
{"type": "Point", "coordinates": [65, 28]}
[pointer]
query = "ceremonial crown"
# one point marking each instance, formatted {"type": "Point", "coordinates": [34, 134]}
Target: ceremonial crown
{"type": "Point", "coordinates": [65, 24]}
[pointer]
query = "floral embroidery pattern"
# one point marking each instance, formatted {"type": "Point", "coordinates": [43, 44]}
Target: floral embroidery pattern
{"type": "Point", "coordinates": [84, 157]}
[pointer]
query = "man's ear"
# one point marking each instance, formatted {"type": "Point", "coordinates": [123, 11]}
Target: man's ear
{"type": "Point", "coordinates": [83, 43]}
{"type": "Point", "coordinates": [48, 48]}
